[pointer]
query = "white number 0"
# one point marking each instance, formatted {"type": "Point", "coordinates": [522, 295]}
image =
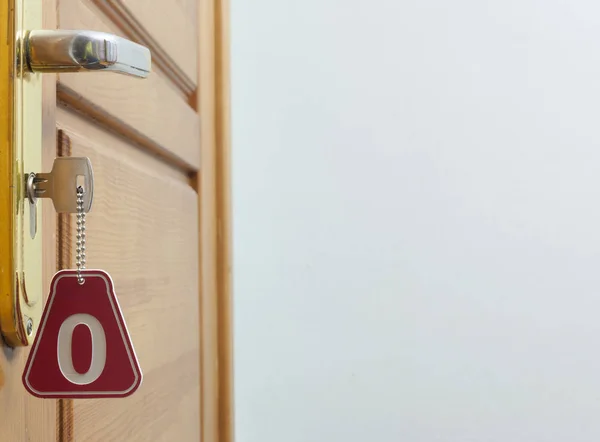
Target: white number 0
{"type": "Point", "coordinates": [65, 354]}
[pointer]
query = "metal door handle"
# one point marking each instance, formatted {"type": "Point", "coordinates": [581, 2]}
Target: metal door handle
{"type": "Point", "coordinates": [75, 51]}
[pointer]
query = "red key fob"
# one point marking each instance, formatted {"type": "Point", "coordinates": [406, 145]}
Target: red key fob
{"type": "Point", "coordinates": [82, 348]}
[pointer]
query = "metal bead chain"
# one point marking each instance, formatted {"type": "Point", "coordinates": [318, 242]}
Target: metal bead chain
{"type": "Point", "coordinates": [80, 257]}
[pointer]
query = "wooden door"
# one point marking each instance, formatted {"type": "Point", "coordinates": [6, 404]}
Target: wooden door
{"type": "Point", "coordinates": [159, 224]}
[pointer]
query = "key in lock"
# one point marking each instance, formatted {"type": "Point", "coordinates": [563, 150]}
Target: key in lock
{"type": "Point", "coordinates": [60, 185]}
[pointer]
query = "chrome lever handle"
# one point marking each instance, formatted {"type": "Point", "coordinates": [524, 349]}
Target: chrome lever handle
{"type": "Point", "coordinates": [76, 51]}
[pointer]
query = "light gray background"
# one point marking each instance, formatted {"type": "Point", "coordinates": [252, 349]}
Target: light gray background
{"type": "Point", "coordinates": [416, 200]}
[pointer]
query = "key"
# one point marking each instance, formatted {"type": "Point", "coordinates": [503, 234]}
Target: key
{"type": "Point", "coordinates": [60, 185]}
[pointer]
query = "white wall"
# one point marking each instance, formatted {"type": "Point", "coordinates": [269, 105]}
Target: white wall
{"type": "Point", "coordinates": [417, 220]}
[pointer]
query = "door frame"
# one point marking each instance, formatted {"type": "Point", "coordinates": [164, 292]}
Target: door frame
{"type": "Point", "coordinates": [213, 184]}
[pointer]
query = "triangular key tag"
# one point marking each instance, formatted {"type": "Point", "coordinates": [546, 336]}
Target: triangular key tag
{"type": "Point", "coordinates": [82, 348]}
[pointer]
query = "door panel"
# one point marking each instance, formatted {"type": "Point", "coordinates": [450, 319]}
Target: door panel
{"type": "Point", "coordinates": [154, 110]}
{"type": "Point", "coordinates": [143, 139]}
{"type": "Point", "coordinates": [142, 230]}
{"type": "Point", "coordinates": [171, 129]}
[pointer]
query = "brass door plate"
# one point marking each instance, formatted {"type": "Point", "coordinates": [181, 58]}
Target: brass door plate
{"type": "Point", "coordinates": [21, 291]}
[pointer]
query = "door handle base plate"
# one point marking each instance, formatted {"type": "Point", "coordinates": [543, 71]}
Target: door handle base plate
{"type": "Point", "coordinates": [21, 286]}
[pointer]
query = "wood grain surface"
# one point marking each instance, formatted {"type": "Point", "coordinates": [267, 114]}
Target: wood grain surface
{"type": "Point", "coordinates": [143, 229]}
{"type": "Point", "coordinates": [215, 223]}
{"type": "Point", "coordinates": [152, 112]}
{"type": "Point", "coordinates": [177, 36]}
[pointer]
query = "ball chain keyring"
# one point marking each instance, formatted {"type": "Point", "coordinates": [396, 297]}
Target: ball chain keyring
{"type": "Point", "coordinates": [80, 257]}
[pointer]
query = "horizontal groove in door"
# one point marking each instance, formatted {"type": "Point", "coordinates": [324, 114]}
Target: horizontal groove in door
{"type": "Point", "coordinates": [154, 119]}
{"type": "Point", "coordinates": [148, 111]}
{"type": "Point", "coordinates": [82, 130]}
